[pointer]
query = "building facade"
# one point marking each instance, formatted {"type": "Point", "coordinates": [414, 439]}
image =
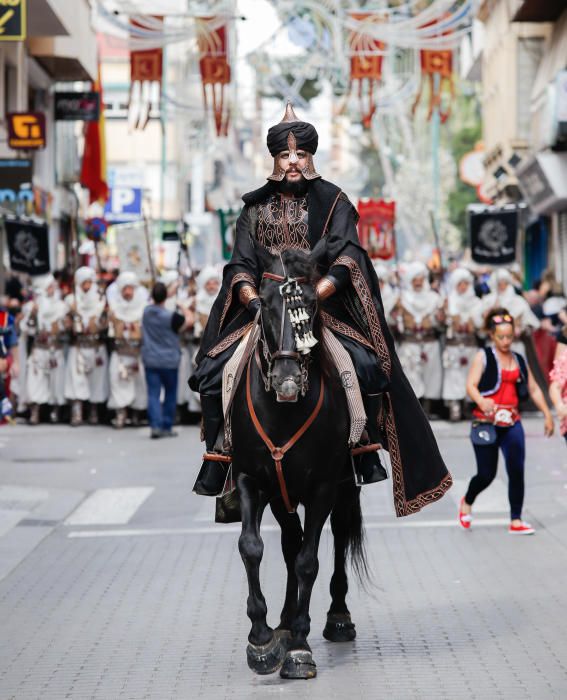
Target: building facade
{"type": "Point", "coordinates": [58, 49]}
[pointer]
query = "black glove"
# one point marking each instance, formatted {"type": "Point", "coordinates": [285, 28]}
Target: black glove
{"type": "Point", "coordinates": [254, 305]}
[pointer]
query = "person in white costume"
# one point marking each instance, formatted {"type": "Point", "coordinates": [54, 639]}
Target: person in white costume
{"type": "Point", "coordinates": [127, 382]}
{"type": "Point", "coordinates": [419, 319]}
{"type": "Point", "coordinates": [45, 319]}
{"type": "Point", "coordinates": [389, 295]}
{"type": "Point", "coordinates": [463, 318]}
{"type": "Point", "coordinates": [503, 295]}
{"type": "Point", "coordinates": [86, 377]}
{"type": "Point", "coordinates": [208, 286]}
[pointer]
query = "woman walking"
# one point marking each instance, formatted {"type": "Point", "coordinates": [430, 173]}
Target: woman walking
{"type": "Point", "coordinates": [498, 380]}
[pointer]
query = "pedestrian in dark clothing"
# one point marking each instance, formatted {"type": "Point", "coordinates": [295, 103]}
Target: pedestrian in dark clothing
{"type": "Point", "coordinates": [160, 354]}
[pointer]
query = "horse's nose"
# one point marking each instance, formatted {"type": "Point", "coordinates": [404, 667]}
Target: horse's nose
{"type": "Point", "coordinates": [288, 388]}
{"type": "Point", "coordinates": [294, 378]}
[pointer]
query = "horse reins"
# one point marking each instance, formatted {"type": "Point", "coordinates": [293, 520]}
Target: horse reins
{"type": "Point", "coordinates": [278, 453]}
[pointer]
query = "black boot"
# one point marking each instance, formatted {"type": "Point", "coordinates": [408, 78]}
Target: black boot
{"type": "Point", "coordinates": [369, 469]}
{"type": "Point", "coordinates": [212, 474]}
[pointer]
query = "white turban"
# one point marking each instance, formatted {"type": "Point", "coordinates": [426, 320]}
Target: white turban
{"type": "Point", "coordinates": [416, 269]}
{"type": "Point", "coordinates": [168, 277]}
{"type": "Point", "coordinates": [127, 279]}
{"type": "Point", "coordinates": [500, 275]}
{"type": "Point", "coordinates": [461, 274]}
{"type": "Point", "coordinates": [208, 273]}
{"type": "Point", "coordinates": [382, 270]}
{"type": "Point", "coordinates": [42, 283]}
{"type": "Point", "coordinates": [83, 274]}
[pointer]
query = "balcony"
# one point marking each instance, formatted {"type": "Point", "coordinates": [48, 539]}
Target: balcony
{"type": "Point", "coordinates": [62, 40]}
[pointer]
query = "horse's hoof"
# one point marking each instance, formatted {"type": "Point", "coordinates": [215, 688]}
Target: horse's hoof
{"type": "Point", "coordinates": [339, 628]}
{"type": "Point", "coordinates": [268, 657]}
{"type": "Point", "coordinates": [298, 664]}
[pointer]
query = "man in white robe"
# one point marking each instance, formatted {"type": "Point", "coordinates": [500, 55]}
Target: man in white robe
{"type": "Point", "coordinates": [45, 319]}
{"type": "Point", "coordinates": [127, 382]}
{"type": "Point", "coordinates": [463, 319]}
{"type": "Point", "coordinates": [504, 295]}
{"type": "Point", "coordinates": [389, 294]}
{"type": "Point", "coordinates": [86, 377]}
{"type": "Point", "coordinates": [419, 320]}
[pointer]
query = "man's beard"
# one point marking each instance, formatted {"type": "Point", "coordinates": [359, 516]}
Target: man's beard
{"type": "Point", "coordinates": [296, 189]}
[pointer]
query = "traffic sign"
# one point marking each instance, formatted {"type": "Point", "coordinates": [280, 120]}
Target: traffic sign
{"type": "Point", "coordinates": [124, 204]}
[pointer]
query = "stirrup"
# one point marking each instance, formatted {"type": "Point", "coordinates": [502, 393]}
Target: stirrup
{"type": "Point", "coordinates": [217, 457]}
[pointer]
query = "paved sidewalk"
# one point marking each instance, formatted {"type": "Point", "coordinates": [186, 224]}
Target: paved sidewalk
{"type": "Point", "coordinates": [136, 594]}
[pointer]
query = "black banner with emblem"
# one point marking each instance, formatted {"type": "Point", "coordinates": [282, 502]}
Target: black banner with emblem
{"type": "Point", "coordinates": [13, 20]}
{"type": "Point", "coordinates": [28, 246]}
{"type": "Point", "coordinates": [77, 106]}
{"type": "Point", "coordinates": [493, 235]}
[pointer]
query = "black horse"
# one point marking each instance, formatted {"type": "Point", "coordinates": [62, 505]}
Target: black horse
{"type": "Point", "coordinates": [282, 393]}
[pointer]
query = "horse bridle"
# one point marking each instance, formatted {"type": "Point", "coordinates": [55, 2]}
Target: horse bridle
{"type": "Point", "coordinates": [280, 353]}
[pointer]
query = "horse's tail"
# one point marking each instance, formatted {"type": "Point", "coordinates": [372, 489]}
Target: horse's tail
{"type": "Point", "coordinates": [352, 527]}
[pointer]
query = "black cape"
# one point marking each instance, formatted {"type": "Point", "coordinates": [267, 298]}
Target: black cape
{"type": "Point", "coordinates": [419, 475]}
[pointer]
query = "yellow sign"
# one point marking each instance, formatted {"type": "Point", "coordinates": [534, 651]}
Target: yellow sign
{"type": "Point", "coordinates": [26, 130]}
{"type": "Point", "coordinates": [12, 20]}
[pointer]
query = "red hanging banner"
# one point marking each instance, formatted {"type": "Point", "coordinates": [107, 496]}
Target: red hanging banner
{"type": "Point", "coordinates": [436, 63]}
{"type": "Point", "coordinates": [146, 71]}
{"type": "Point", "coordinates": [215, 71]}
{"type": "Point", "coordinates": [376, 228]}
{"type": "Point", "coordinates": [366, 57]}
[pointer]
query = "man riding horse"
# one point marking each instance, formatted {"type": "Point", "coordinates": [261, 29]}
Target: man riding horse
{"type": "Point", "coordinates": [298, 210]}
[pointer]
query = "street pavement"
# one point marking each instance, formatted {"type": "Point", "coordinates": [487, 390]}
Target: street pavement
{"type": "Point", "coordinates": [115, 582]}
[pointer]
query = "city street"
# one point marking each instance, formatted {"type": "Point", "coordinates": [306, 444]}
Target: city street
{"type": "Point", "coordinates": [116, 583]}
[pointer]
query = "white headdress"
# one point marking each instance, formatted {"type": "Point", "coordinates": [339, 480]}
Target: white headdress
{"type": "Point", "coordinates": [420, 303]}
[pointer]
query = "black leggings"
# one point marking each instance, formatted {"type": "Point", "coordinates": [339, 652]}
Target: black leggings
{"type": "Point", "coordinates": [512, 442]}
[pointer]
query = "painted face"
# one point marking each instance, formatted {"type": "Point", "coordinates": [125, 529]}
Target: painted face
{"type": "Point", "coordinates": [418, 282]}
{"type": "Point", "coordinates": [128, 292]}
{"type": "Point", "coordinates": [463, 287]}
{"type": "Point", "coordinates": [212, 286]}
{"type": "Point", "coordinates": [86, 285]}
{"type": "Point", "coordinates": [503, 336]}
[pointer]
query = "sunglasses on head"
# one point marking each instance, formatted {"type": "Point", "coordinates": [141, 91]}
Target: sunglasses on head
{"type": "Point", "coordinates": [505, 318]}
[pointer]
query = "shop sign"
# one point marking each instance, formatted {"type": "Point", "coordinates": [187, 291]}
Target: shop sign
{"type": "Point", "coordinates": [15, 179]}
{"type": "Point", "coordinates": [28, 246]}
{"type": "Point", "coordinates": [26, 130]}
{"type": "Point", "coordinates": [493, 235]}
{"type": "Point", "coordinates": [12, 20]}
{"type": "Point", "coordinates": [77, 106]}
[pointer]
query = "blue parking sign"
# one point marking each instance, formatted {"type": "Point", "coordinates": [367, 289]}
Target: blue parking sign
{"type": "Point", "coordinates": [123, 204]}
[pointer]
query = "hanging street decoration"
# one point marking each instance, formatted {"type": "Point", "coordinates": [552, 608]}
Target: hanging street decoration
{"type": "Point", "coordinates": [376, 228]}
{"type": "Point", "coordinates": [366, 56]}
{"type": "Point", "coordinates": [93, 168]}
{"type": "Point", "coordinates": [146, 68]}
{"type": "Point", "coordinates": [437, 71]}
{"type": "Point", "coordinates": [215, 70]}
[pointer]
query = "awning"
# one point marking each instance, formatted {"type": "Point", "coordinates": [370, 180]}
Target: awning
{"type": "Point", "coordinates": [539, 11]}
{"type": "Point", "coordinates": [543, 181]}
